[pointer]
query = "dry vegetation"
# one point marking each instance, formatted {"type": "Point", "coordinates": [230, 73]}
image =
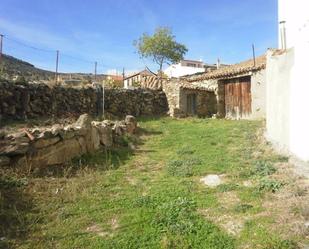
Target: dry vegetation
{"type": "Point", "coordinates": [149, 194]}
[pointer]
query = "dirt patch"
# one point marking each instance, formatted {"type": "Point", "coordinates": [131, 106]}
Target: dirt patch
{"type": "Point", "coordinates": [228, 199]}
{"type": "Point", "coordinates": [290, 205]}
{"type": "Point", "coordinates": [96, 229]}
{"type": "Point", "coordinates": [231, 224]}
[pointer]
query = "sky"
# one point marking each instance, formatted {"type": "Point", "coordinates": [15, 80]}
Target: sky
{"type": "Point", "coordinates": [104, 30]}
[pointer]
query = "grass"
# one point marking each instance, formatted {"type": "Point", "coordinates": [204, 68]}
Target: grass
{"type": "Point", "coordinates": [151, 197]}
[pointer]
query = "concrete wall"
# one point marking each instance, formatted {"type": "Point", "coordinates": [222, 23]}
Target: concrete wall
{"type": "Point", "coordinates": [278, 99]}
{"type": "Point", "coordinates": [258, 95]}
{"type": "Point", "coordinates": [288, 101]}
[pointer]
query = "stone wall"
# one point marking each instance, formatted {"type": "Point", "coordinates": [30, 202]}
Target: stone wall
{"type": "Point", "coordinates": [45, 146]}
{"type": "Point", "coordinates": [19, 101]}
{"type": "Point", "coordinates": [176, 91]}
{"type": "Point", "coordinates": [206, 102]}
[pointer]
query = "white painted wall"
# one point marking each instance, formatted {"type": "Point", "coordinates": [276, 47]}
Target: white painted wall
{"type": "Point", "coordinates": [299, 102]}
{"type": "Point", "coordinates": [177, 70]}
{"type": "Point", "coordinates": [258, 95]}
{"type": "Point", "coordinates": [278, 75]}
{"type": "Point", "coordinates": [295, 14]}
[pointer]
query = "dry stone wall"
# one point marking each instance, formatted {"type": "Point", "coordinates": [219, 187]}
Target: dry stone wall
{"type": "Point", "coordinates": [20, 101]}
{"type": "Point", "coordinates": [41, 147]}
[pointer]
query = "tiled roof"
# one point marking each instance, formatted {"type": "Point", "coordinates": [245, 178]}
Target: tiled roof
{"type": "Point", "coordinates": [232, 70]}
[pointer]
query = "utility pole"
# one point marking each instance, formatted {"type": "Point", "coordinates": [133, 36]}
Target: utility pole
{"type": "Point", "coordinates": [95, 71]}
{"type": "Point", "coordinates": [57, 62]}
{"type": "Point", "coordinates": [1, 45]}
{"type": "Point", "coordinates": [253, 51]}
{"type": "Point", "coordinates": [123, 75]}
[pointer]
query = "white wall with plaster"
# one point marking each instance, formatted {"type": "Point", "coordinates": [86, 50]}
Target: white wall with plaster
{"type": "Point", "coordinates": [177, 70]}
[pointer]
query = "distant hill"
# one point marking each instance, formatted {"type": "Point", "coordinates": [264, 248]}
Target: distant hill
{"type": "Point", "coordinates": [11, 68]}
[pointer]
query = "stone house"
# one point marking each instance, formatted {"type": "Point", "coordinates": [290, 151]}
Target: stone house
{"type": "Point", "coordinates": [135, 79]}
{"type": "Point", "coordinates": [237, 91]}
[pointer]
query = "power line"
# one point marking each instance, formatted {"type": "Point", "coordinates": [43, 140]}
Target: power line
{"type": "Point", "coordinates": [102, 65]}
{"type": "Point", "coordinates": [29, 46]}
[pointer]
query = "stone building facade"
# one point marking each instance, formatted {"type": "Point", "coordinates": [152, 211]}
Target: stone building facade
{"type": "Point", "coordinates": [237, 91]}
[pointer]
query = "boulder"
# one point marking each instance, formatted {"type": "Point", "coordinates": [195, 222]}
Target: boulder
{"type": "Point", "coordinates": [41, 143]}
{"type": "Point", "coordinates": [83, 122]}
{"type": "Point", "coordinates": [60, 153]}
{"type": "Point", "coordinates": [14, 149]}
{"type": "Point", "coordinates": [105, 133]}
{"type": "Point", "coordinates": [211, 180]}
{"type": "Point", "coordinates": [56, 129]}
{"type": "Point", "coordinates": [119, 128]}
{"type": "Point", "coordinates": [131, 124]}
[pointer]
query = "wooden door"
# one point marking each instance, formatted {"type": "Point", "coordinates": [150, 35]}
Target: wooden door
{"type": "Point", "coordinates": [191, 104]}
{"type": "Point", "coordinates": [238, 97]}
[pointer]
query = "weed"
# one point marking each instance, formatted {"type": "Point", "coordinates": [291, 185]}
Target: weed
{"type": "Point", "coordinates": [186, 150]}
{"type": "Point", "coordinates": [282, 244]}
{"type": "Point", "coordinates": [182, 167]}
{"type": "Point", "coordinates": [269, 185]}
{"type": "Point", "coordinates": [242, 208]}
{"type": "Point", "coordinates": [264, 168]}
{"type": "Point", "coordinates": [177, 216]}
{"type": "Point", "coordinates": [12, 182]}
{"type": "Point", "coordinates": [226, 187]}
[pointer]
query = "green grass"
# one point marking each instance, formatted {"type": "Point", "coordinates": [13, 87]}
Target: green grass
{"type": "Point", "coordinates": [152, 197]}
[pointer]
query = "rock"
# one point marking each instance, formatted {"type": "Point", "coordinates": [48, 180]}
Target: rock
{"type": "Point", "coordinates": [68, 132]}
{"type": "Point", "coordinates": [119, 128]}
{"type": "Point", "coordinates": [41, 143]}
{"type": "Point", "coordinates": [131, 124]}
{"type": "Point", "coordinates": [211, 180]}
{"type": "Point", "coordinates": [4, 161]}
{"type": "Point", "coordinates": [105, 133]}
{"type": "Point", "coordinates": [93, 140]}
{"type": "Point", "coordinates": [83, 122]}
{"type": "Point", "coordinates": [45, 134]}
{"type": "Point", "coordinates": [60, 153]}
{"type": "Point", "coordinates": [56, 129]}
{"type": "Point", "coordinates": [14, 149]}
{"type": "Point", "coordinates": [20, 137]}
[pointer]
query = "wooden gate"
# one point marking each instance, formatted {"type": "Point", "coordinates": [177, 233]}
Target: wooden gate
{"type": "Point", "coordinates": [191, 104]}
{"type": "Point", "coordinates": [238, 97]}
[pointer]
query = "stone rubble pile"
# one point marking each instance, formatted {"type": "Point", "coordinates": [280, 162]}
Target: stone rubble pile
{"type": "Point", "coordinates": [40, 147]}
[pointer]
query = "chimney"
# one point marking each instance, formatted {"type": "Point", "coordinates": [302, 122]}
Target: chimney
{"type": "Point", "coordinates": [282, 35]}
{"type": "Point", "coordinates": [218, 63]}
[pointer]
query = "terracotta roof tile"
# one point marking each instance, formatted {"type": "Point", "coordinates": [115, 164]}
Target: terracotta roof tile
{"type": "Point", "coordinates": [232, 70]}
